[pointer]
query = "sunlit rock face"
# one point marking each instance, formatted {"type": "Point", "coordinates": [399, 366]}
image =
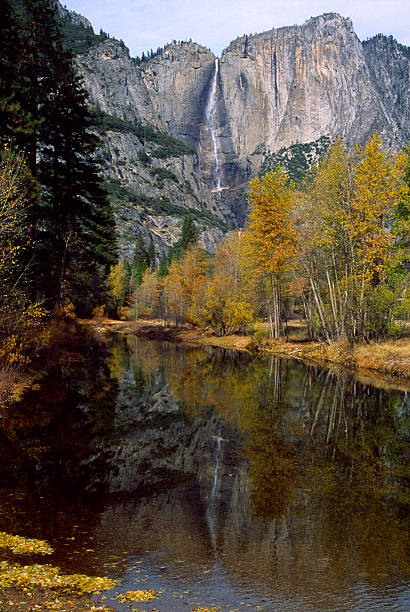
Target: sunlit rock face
{"type": "Point", "coordinates": [178, 80]}
{"type": "Point", "coordinates": [295, 84]}
{"type": "Point", "coordinates": [288, 85]}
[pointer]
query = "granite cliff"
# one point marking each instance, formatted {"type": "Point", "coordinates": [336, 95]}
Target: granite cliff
{"type": "Point", "coordinates": [297, 84]}
{"type": "Point", "coordinates": [276, 97]}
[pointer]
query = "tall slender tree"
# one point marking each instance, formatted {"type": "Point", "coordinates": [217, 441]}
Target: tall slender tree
{"type": "Point", "coordinates": [272, 237]}
{"type": "Point", "coordinates": [16, 123]}
{"type": "Point", "coordinates": [74, 227]}
{"type": "Point", "coordinates": [352, 242]}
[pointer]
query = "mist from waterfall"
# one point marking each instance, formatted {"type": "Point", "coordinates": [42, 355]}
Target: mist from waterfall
{"type": "Point", "coordinates": [210, 117]}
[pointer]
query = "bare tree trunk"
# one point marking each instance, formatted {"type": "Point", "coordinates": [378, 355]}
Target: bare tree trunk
{"type": "Point", "coordinates": [271, 326]}
{"type": "Point", "coordinates": [67, 241]}
{"type": "Point", "coordinates": [276, 315]}
{"type": "Point", "coordinates": [333, 304]}
{"type": "Point", "coordinates": [320, 310]}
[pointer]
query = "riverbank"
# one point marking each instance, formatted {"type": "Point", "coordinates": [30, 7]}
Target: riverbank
{"type": "Point", "coordinates": [389, 359]}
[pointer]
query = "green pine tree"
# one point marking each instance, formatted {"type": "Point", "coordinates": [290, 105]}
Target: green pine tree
{"type": "Point", "coordinates": [16, 123]}
{"type": "Point", "coordinates": [74, 226]}
{"type": "Point", "coordinates": [140, 260]}
{"type": "Point", "coordinates": [163, 269]}
{"type": "Point", "coordinates": [189, 236]}
{"type": "Point", "coordinates": [151, 254]}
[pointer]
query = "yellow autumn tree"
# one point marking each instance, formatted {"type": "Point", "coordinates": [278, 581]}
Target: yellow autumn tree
{"type": "Point", "coordinates": [378, 188]}
{"type": "Point", "coordinates": [272, 238]}
{"type": "Point", "coordinates": [117, 282]}
{"type": "Point", "coordinates": [349, 242]}
{"type": "Point", "coordinates": [229, 304]}
{"type": "Point", "coordinates": [145, 299]}
{"type": "Point", "coordinates": [194, 267]}
{"type": "Point", "coordinates": [184, 286]}
{"type": "Point", "coordinates": [173, 295]}
{"type": "Point", "coordinates": [325, 246]}
{"type": "Point", "coordinates": [18, 315]}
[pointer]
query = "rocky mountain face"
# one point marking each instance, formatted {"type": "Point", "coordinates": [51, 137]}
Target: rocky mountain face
{"type": "Point", "coordinates": [297, 84]}
{"type": "Point", "coordinates": [72, 17]}
{"type": "Point", "coordinates": [389, 67]}
{"type": "Point", "coordinates": [276, 97]}
{"type": "Point", "coordinates": [154, 187]}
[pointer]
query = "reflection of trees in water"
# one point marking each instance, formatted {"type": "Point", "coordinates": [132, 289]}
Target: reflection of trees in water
{"type": "Point", "coordinates": [307, 428]}
{"type": "Point", "coordinates": [46, 436]}
{"type": "Point", "coordinates": [341, 442]}
{"type": "Point", "coordinates": [199, 380]}
{"type": "Point", "coordinates": [324, 455]}
{"type": "Point", "coordinates": [357, 448]}
{"type": "Point", "coordinates": [303, 427]}
{"type": "Point", "coordinates": [313, 411]}
{"type": "Point", "coordinates": [318, 445]}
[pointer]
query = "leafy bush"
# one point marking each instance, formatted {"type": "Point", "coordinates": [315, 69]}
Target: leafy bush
{"type": "Point", "coordinates": [143, 157]}
{"type": "Point", "coordinates": [260, 332]}
{"type": "Point", "coordinates": [297, 159]}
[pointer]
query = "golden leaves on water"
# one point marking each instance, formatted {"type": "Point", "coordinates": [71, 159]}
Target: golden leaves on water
{"type": "Point", "coordinates": [137, 596]}
{"type": "Point", "coordinates": [16, 575]}
{"type": "Point", "coordinates": [22, 546]}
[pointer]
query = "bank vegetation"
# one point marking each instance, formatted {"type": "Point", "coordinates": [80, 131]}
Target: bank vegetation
{"type": "Point", "coordinates": [333, 252]}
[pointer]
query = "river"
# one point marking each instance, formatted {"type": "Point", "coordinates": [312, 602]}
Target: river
{"type": "Point", "coordinates": [213, 477]}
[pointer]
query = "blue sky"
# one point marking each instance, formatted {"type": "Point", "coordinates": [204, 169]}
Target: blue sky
{"type": "Point", "coordinates": [146, 24]}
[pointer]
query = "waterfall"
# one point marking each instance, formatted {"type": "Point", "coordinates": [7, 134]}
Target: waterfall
{"type": "Point", "coordinates": [210, 116]}
{"type": "Point", "coordinates": [212, 507]}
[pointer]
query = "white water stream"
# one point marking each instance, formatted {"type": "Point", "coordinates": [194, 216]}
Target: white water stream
{"type": "Point", "coordinates": [210, 116]}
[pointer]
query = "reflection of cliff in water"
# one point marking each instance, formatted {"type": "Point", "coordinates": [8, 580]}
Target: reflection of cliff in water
{"type": "Point", "coordinates": [296, 439]}
{"type": "Point", "coordinates": [291, 475]}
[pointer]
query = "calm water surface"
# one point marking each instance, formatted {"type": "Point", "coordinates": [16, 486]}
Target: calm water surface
{"type": "Point", "coordinates": [215, 478]}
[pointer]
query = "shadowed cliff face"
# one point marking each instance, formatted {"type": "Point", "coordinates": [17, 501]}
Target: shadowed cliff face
{"type": "Point", "coordinates": [178, 81]}
{"type": "Point", "coordinates": [389, 66]}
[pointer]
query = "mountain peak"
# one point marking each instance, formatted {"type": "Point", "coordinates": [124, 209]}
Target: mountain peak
{"type": "Point", "coordinates": [72, 16]}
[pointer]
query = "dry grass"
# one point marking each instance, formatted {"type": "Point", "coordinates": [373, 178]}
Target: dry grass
{"type": "Point", "coordinates": [392, 357]}
{"type": "Point", "coordinates": [391, 350]}
{"type": "Point", "coordinates": [238, 343]}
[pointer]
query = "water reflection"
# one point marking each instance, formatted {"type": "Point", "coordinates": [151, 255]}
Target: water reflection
{"type": "Point", "coordinates": [262, 481]}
